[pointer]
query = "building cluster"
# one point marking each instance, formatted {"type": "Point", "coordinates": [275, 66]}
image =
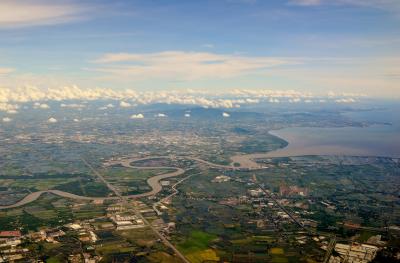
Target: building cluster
{"type": "Point", "coordinates": [10, 246]}
{"type": "Point", "coordinates": [84, 232]}
{"type": "Point", "coordinates": [292, 190]}
{"type": "Point", "coordinates": [354, 253]}
{"type": "Point", "coordinates": [221, 179]}
{"type": "Point", "coordinates": [127, 221]}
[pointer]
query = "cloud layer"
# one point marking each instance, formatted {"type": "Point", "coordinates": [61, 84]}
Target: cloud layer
{"type": "Point", "coordinates": [11, 99]}
{"type": "Point", "coordinates": [184, 65]}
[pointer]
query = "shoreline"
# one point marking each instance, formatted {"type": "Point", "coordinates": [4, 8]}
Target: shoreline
{"type": "Point", "coordinates": [294, 148]}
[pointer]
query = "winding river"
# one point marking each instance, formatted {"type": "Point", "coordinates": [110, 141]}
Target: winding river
{"type": "Point", "coordinates": [153, 182]}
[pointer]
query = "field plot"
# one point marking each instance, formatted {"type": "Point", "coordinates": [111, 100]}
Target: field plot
{"type": "Point", "coordinates": [196, 247]}
{"type": "Point", "coordinates": [35, 184]}
{"type": "Point", "coordinates": [139, 242]}
{"type": "Point", "coordinates": [49, 210]}
{"type": "Point", "coordinates": [86, 187]}
{"type": "Point", "coordinates": [131, 181]}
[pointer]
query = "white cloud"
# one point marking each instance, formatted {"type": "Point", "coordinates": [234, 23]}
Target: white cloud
{"type": "Point", "coordinates": [249, 100]}
{"type": "Point", "coordinates": [52, 120]}
{"type": "Point", "coordinates": [187, 115]}
{"type": "Point", "coordinates": [44, 106]}
{"type": "Point", "coordinates": [184, 65]}
{"type": "Point", "coordinates": [137, 116]}
{"type": "Point", "coordinates": [7, 107]}
{"type": "Point", "coordinates": [40, 12]}
{"type": "Point", "coordinates": [274, 100]}
{"type": "Point", "coordinates": [124, 104]}
{"type": "Point", "coordinates": [38, 105]}
{"type": "Point", "coordinates": [72, 106]}
{"type": "Point", "coordinates": [161, 115]}
{"type": "Point", "coordinates": [7, 119]}
{"type": "Point", "coordinates": [331, 93]}
{"type": "Point", "coordinates": [108, 106]}
{"type": "Point", "coordinates": [294, 100]}
{"type": "Point", "coordinates": [345, 100]}
{"type": "Point", "coordinates": [225, 115]}
{"type": "Point", "coordinates": [76, 120]}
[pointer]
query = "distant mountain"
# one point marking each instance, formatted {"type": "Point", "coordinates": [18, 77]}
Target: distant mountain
{"type": "Point", "coordinates": [211, 114]}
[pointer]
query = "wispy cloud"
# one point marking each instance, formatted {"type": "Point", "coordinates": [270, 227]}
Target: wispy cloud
{"type": "Point", "coordinates": [242, 1]}
{"type": "Point", "coordinates": [208, 45]}
{"type": "Point", "coordinates": [40, 12]}
{"type": "Point", "coordinates": [4, 71]}
{"type": "Point", "coordinates": [391, 5]}
{"type": "Point", "coordinates": [184, 65]}
{"type": "Point", "coordinates": [305, 2]}
{"type": "Point", "coordinates": [388, 5]}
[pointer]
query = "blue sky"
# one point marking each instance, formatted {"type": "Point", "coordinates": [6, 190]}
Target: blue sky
{"type": "Point", "coordinates": [316, 46]}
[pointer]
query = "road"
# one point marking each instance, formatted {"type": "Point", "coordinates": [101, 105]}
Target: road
{"type": "Point", "coordinates": [300, 224]}
{"type": "Point", "coordinates": [173, 187]}
{"type": "Point", "coordinates": [124, 200]}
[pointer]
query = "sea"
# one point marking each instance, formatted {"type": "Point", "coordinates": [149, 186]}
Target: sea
{"type": "Point", "coordinates": [380, 138]}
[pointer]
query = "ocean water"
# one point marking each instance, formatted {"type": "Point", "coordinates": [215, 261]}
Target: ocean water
{"type": "Point", "coordinates": [374, 140]}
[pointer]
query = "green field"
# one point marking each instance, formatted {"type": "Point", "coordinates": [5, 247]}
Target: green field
{"type": "Point", "coordinates": [197, 241]}
{"type": "Point", "coordinates": [129, 180]}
